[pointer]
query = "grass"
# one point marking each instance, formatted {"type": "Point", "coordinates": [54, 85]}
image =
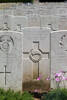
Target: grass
{"type": "Point", "coordinates": [11, 95]}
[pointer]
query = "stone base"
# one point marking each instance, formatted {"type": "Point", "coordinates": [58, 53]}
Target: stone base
{"type": "Point", "coordinates": [36, 86]}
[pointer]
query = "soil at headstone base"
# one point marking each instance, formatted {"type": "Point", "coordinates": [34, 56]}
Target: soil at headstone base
{"type": "Point", "coordinates": [36, 88]}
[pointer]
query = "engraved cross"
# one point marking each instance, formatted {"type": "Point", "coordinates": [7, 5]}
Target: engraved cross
{"type": "Point", "coordinates": [35, 56]}
{"type": "Point", "coordinates": [5, 72]}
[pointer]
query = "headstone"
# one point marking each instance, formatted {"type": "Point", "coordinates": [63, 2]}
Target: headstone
{"type": "Point", "coordinates": [33, 20]}
{"type": "Point", "coordinates": [11, 60]}
{"type": "Point", "coordinates": [45, 21]}
{"type": "Point", "coordinates": [59, 22]}
{"type": "Point", "coordinates": [50, 21]}
{"type": "Point", "coordinates": [1, 21]}
{"type": "Point", "coordinates": [19, 22]}
{"type": "Point", "coordinates": [55, 22]}
{"type": "Point", "coordinates": [36, 55]}
{"type": "Point", "coordinates": [58, 54]}
{"type": "Point", "coordinates": [62, 22]}
{"type": "Point", "coordinates": [60, 10]}
{"type": "Point", "coordinates": [19, 11]}
{"type": "Point", "coordinates": [5, 22]}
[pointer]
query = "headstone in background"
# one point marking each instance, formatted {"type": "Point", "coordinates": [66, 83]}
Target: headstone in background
{"type": "Point", "coordinates": [50, 21]}
{"type": "Point", "coordinates": [33, 20]}
{"type": "Point", "coordinates": [5, 22]}
{"type": "Point", "coordinates": [62, 23]}
{"type": "Point", "coordinates": [19, 22]}
{"type": "Point", "coordinates": [59, 22]}
{"type": "Point", "coordinates": [1, 21]}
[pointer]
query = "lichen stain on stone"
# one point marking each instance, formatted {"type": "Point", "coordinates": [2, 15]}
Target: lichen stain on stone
{"type": "Point", "coordinates": [41, 86]}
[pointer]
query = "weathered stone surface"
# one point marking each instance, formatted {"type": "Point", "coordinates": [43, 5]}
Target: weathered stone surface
{"type": "Point", "coordinates": [62, 23]}
{"type": "Point", "coordinates": [14, 23]}
{"type": "Point", "coordinates": [19, 22]}
{"type": "Point", "coordinates": [11, 60]}
{"type": "Point", "coordinates": [36, 51]}
{"type": "Point", "coordinates": [58, 53]}
{"type": "Point", "coordinates": [36, 42]}
{"type": "Point", "coordinates": [33, 20]}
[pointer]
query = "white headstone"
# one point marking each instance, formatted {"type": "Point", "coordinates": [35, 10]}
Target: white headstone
{"type": "Point", "coordinates": [19, 22]}
{"type": "Point", "coordinates": [62, 22]}
{"type": "Point", "coordinates": [59, 22]}
{"type": "Point", "coordinates": [11, 60]}
{"type": "Point", "coordinates": [5, 22]}
{"type": "Point", "coordinates": [36, 51]}
{"type": "Point", "coordinates": [45, 21]}
{"type": "Point", "coordinates": [33, 20]}
{"type": "Point", "coordinates": [1, 21]}
{"type": "Point", "coordinates": [58, 54]}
